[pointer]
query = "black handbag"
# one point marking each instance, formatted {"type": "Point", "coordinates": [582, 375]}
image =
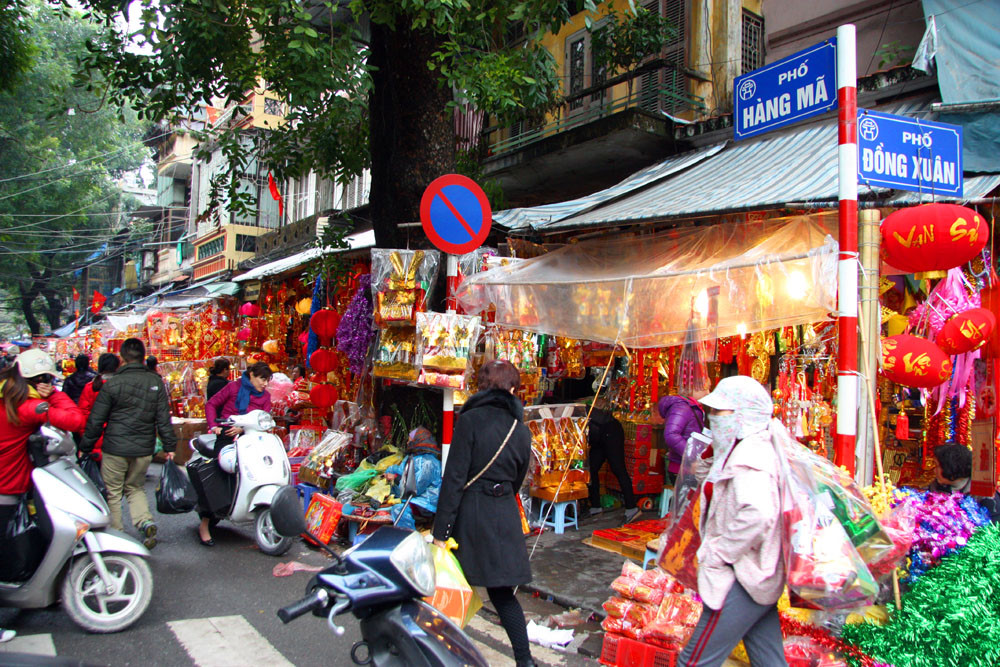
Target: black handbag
{"type": "Point", "coordinates": [21, 543]}
{"type": "Point", "coordinates": [91, 468]}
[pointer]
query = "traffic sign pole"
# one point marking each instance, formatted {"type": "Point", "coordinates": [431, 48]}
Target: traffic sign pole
{"type": "Point", "coordinates": [845, 440]}
{"type": "Point", "coordinates": [448, 416]}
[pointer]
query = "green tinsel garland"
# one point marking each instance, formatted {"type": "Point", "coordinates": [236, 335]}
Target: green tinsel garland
{"type": "Point", "coordinates": [951, 616]}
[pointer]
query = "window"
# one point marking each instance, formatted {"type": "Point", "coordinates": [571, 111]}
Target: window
{"type": "Point", "coordinates": [246, 243]}
{"type": "Point", "coordinates": [212, 248]}
{"type": "Point", "coordinates": [752, 51]}
{"type": "Point", "coordinates": [666, 89]}
{"type": "Point", "coordinates": [272, 106]}
{"type": "Point", "coordinates": [577, 54]}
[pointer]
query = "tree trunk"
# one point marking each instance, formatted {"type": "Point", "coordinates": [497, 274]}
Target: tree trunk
{"type": "Point", "coordinates": [27, 297]}
{"type": "Point", "coordinates": [53, 307]}
{"type": "Point", "coordinates": [412, 133]}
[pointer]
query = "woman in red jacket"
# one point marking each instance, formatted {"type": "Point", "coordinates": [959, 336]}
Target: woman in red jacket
{"type": "Point", "coordinates": [107, 364]}
{"type": "Point", "coordinates": [29, 400]}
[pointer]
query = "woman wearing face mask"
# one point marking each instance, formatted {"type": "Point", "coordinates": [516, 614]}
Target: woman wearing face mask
{"type": "Point", "coordinates": [741, 573]}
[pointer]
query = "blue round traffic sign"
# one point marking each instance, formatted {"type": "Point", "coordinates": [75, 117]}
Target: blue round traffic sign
{"type": "Point", "coordinates": [455, 214]}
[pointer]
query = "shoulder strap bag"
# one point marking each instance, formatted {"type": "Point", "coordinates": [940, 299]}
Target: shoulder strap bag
{"type": "Point", "coordinates": [487, 466]}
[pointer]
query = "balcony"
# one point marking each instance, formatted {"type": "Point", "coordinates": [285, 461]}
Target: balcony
{"type": "Point", "coordinates": [597, 136]}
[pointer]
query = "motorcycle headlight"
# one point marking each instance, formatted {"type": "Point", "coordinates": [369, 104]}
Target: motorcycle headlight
{"type": "Point", "coordinates": [265, 422]}
{"type": "Point", "coordinates": [412, 557]}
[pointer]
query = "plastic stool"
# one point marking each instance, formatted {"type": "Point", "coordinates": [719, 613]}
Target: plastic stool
{"type": "Point", "coordinates": [665, 497]}
{"type": "Point", "coordinates": [558, 519]}
{"type": "Point", "coordinates": [306, 492]}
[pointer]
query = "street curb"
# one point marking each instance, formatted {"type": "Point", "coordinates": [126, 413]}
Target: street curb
{"type": "Point", "coordinates": [564, 601]}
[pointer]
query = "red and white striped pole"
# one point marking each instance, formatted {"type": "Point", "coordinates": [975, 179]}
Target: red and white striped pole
{"type": "Point", "coordinates": [448, 409]}
{"type": "Point", "coordinates": [847, 269]}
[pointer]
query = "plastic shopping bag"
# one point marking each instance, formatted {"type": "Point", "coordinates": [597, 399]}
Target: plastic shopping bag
{"type": "Point", "coordinates": [91, 468]}
{"type": "Point", "coordinates": [453, 596]}
{"type": "Point", "coordinates": [21, 543]}
{"type": "Point", "coordinates": [680, 541]}
{"type": "Point", "coordinates": [174, 493]}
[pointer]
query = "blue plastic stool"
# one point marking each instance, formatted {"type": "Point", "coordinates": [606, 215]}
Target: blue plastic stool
{"type": "Point", "coordinates": [558, 519]}
{"type": "Point", "coordinates": [306, 492]}
{"type": "Point", "coordinates": [665, 499]}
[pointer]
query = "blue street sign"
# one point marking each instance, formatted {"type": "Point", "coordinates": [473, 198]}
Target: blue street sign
{"type": "Point", "coordinates": [792, 89]}
{"type": "Point", "coordinates": [909, 153]}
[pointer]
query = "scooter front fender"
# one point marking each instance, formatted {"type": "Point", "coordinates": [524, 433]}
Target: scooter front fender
{"type": "Point", "coordinates": [262, 496]}
{"type": "Point", "coordinates": [111, 541]}
{"type": "Point", "coordinates": [416, 634]}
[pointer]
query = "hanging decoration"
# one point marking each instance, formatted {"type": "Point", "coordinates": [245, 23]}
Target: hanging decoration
{"type": "Point", "coordinates": [932, 237]}
{"type": "Point", "coordinates": [324, 324]}
{"type": "Point", "coordinates": [966, 331]}
{"type": "Point", "coordinates": [355, 332]}
{"type": "Point", "coordinates": [250, 309]}
{"type": "Point", "coordinates": [914, 362]}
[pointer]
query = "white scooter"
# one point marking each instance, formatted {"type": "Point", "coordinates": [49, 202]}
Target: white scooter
{"type": "Point", "coordinates": [261, 469]}
{"type": "Point", "coordinates": [100, 574]}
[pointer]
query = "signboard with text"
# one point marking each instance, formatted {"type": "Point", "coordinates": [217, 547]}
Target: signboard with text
{"type": "Point", "coordinates": [909, 153]}
{"type": "Point", "coordinates": [792, 89]}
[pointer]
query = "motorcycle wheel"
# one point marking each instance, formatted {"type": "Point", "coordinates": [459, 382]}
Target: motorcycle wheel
{"type": "Point", "coordinates": [267, 537]}
{"type": "Point", "coordinates": [88, 605]}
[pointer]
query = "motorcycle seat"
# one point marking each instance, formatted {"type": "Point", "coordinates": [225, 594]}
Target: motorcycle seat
{"type": "Point", "coordinates": [205, 445]}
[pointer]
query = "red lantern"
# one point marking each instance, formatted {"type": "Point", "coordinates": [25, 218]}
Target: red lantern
{"type": "Point", "coordinates": [932, 237]}
{"type": "Point", "coordinates": [914, 362]}
{"type": "Point", "coordinates": [323, 395]}
{"type": "Point", "coordinates": [243, 334]}
{"type": "Point", "coordinates": [966, 331]}
{"type": "Point", "coordinates": [324, 323]}
{"type": "Point", "coordinates": [250, 309]}
{"type": "Point", "coordinates": [323, 360]}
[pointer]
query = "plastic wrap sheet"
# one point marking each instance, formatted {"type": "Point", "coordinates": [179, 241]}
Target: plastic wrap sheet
{"type": "Point", "coordinates": [643, 291]}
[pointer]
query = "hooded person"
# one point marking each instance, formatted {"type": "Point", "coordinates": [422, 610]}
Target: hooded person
{"type": "Point", "coordinates": [741, 573]}
{"type": "Point", "coordinates": [425, 453]}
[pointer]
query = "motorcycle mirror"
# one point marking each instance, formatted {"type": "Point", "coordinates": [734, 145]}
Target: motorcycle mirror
{"type": "Point", "coordinates": [286, 513]}
{"type": "Point", "coordinates": [408, 485]}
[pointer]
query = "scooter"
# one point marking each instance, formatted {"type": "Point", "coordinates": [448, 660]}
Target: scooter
{"type": "Point", "coordinates": [100, 574]}
{"type": "Point", "coordinates": [381, 581]}
{"type": "Point", "coordinates": [261, 469]}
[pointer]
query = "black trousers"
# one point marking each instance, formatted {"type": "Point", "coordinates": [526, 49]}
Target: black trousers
{"type": "Point", "coordinates": [221, 441]}
{"type": "Point", "coordinates": [512, 619]}
{"type": "Point", "coordinates": [615, 456]}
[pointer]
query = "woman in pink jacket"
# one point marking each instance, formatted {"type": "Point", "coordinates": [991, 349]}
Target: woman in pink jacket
{"type": "Point", "coordinates": [741, 573]}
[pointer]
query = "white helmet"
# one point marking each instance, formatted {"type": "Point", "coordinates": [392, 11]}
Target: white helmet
{"type": "Point", "coordinates": [227, 459]}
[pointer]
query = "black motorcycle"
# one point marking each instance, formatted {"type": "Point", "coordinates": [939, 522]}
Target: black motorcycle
{"type": "Point", "coordinates": [381, 581]}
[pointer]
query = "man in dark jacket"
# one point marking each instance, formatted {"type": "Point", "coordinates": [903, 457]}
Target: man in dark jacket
{"type": "Point", "coordinates": [133, 403]}
{"type": "Point", "coordinates": [606, 438]}
{"type": "Point", "coordinates": [74, 384]}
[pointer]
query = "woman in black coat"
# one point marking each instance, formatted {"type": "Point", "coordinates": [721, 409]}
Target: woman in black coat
{"type": "Point", "coordinates": [484, 518]}
{"type": "Point", "coordinates": [218, 377]}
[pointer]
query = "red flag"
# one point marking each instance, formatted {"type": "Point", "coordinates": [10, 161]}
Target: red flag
{"type": "Point", "coordinates": [275, 195]}
{"type": "Point", "coordinates": [76, 295]}
{"type": "Point", "coordinates": [98, 303]}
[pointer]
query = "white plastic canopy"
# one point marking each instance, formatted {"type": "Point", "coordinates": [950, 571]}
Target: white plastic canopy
{"type": "Point", "coordinates": [696, 283]}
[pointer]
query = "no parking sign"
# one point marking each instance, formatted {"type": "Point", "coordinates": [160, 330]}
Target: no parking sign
{"type": "Point", "coordinates": [455, 214]}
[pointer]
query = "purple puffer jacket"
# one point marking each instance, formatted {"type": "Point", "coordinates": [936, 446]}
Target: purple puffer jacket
{"type": "Point", "coordinates": [223, 404]}
{"type": "Point", "coordinates": [681, 417]}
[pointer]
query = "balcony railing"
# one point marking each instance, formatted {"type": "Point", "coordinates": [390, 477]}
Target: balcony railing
{"type": "Point", "coordinates": [597, 104]}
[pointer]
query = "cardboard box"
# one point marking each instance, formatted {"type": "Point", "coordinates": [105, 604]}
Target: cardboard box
{"type": "Point", "coordinates": [184, 431]}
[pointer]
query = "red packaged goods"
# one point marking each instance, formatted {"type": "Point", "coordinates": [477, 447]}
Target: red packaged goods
{"type": "Point", "coordinates": [674, 621]}
{"type": "Point", "coordinates": [322, 517]}
{"type": "Point", "coordinates": [640, 613]}
{"type": "Point", "coordinates": [616, 606]}
{"type": "Point", "coordinates": [656, 578]}
{"type": "Point", "coordinates": [620, 626]}
{"type": "Point", "coordinates": [631, 588]}
{"type": "Point", "coordinates": [631, 570]}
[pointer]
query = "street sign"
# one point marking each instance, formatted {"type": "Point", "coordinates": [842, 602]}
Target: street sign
{"type": "Point", "coordinates": [792, 89]}
{"type": "Point", "coordinates": [909, 153]}
{"type": "Point", "coordinates": [455, 214]}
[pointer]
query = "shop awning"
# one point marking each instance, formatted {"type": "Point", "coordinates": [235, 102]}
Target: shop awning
{"type": "Point", "coordinates": [696, 283]}
{"type": "Point", "coordinates": [522, 218]}
{"type": "Point", "coordinates": [357, 241]}
{"type": "Point", "coordinates": [797, 166]}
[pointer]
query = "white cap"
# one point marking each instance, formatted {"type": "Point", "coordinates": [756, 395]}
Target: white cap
{"type": "Point", "coordinates": [35, 362]}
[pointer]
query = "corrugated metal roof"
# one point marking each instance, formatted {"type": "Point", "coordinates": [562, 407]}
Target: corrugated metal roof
{"type": "Point", "coordinates": [522, 218]}
{"type": "Point", "coordinates": [796, 165]}
{"type": "Point", "coordinates": [355, 242]}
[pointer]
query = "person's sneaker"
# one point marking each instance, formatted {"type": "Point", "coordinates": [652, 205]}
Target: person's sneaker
{"type": "Point", "coordinates": [632, 514]}
{"type": "Point", "coordinates": [148, 530]}
{"type": "Point", "coordinates": [594, 511]}
{"type": "Point", "coordinates": [7, 635]}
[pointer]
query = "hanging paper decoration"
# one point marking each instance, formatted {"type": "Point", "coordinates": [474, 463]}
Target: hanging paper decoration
{"type": "Point", "coordinates": [323, 360]}
{"type": "Point", "coordinates": [324, 324]}
{"type": "Point", "coordinates": [243, 334]}
{"type": "Point", "coordinates": [323, 396]}
{"type": "Point", "coordinates": [303, 306]}
{"type": "Point", "coordinates": [914, 362]}
{"type": "Point", "coordinates": [966, 331]}
{"type": "Point", "coordinates": [250, 309]}
{"type": "Point", "coordinates": [932, 237]}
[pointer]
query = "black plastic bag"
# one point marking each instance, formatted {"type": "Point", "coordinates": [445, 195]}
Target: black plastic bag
{"type": "Point", "coordinates": [92, 469]}
{"type": "Point", "coordinates": [22, 545]}
{"type": "Point", "coordinates": [174, 492]}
